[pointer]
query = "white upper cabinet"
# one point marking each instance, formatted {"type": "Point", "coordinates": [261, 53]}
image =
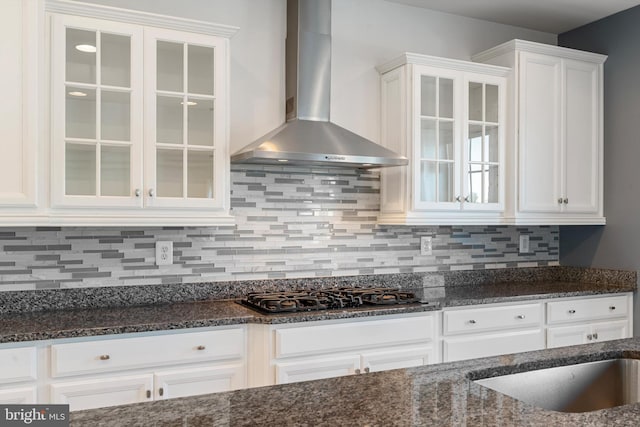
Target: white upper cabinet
{"type": "Point", "coordinates": [139, 118]}
{"type": "Point", "coordinates": [556, 124]}
{"type": "Point", "coordinates": [448, 118]}
{"type": "Point", "coordinates": [20, 27]}
{"type": "Point", "coordinates": [186, 156]}
{"type": "Point", "coordinates": [96, 112]}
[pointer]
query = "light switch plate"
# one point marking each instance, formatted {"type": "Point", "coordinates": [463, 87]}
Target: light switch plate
{"type": "Point", "coordinates": [164, 253]}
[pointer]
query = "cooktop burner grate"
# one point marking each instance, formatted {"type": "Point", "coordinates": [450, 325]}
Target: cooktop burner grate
{"type": "Point", "coordinates": [325, 299]}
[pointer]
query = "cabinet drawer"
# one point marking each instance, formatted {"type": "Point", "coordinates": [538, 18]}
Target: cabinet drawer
{"type": "Point", "coordinates": [320, 339]}
{"type": "Point", "coordinates": [127, 353]}
{"type": "Point", "coordinates": [587, 309]}
{"type": "Point", "coordinates": [491, 318]}
{"type": "Point", "coordinates": [17, 365]}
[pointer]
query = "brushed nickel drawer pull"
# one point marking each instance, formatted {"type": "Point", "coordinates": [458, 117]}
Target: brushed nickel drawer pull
{"type": "Point", "coordinates": [473, 322]}
{"type": "Point", "coordinates": [367, 369]}
{"type": "Point", "coordinates": [572, 312]}
{"type": "Point", "coordinates": [589, 337]}
{"type": "Point", "coordinates": [520, 316]}
{"type": "Point", "coordinates": [200, 347]}
{"type": "Point", "coordinates": [148, 394]}
{"type": "Point", "coordinates": [105, 357]}
{"type": "Point", "coordinates": [160, 391]}
{"type": "Point", "coordinates": [357, 371]}
{"type": "Point", "coordinates": [595, 336]}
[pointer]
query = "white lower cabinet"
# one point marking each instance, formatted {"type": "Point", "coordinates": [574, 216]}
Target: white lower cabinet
{"type": "Point", "coordinates": [316, 368]}
{"type": "Point", "coordinates": [485, 345]}
{"type": "Point", "coordinates": [315, 350]}
{"type": "Point", "coordinates": [494, 329]}
{"type": "Point", "coordinates": [125, 389]}
{"type": "Point", "coordinates": [18, 375]}
{"type": "Point", "coordinates": [18, 395]}
{"type": "Point", "coordinates": [191, 382]}
{"type": "Point", "coordinates": [587, 320]}
{"type": "Point", "coordinates": [490, 330]}
{"type": "Point", "coordinates": [115, 371]}
{"type": "Point", "coordinates": [560, 336]}
{"type": "Point", "coordinates": [384, 360]}
{"type": "Point", "coordinates": [102, 392]}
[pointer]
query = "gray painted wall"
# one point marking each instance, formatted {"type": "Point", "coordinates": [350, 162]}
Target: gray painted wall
{"type": "Point", "coordinates": [616, 245]}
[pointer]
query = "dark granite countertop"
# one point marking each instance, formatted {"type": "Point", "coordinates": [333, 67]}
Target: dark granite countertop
{"type": "Point", "coordinates": [435, 395]}
{"type": "Point", "coordinates": [69, 323]}
{"type": "Point", "coordinates": [518, 291]}
{"type": "Point", "coordinates": [58, 324]}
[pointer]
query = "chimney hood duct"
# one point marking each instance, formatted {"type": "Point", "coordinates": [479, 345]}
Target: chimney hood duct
{"type": "Point", "coordinates": [308, 137]}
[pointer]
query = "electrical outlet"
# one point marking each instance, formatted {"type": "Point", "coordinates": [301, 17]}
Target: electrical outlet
{"type": "Point", "coordinates": [524, 243]}
{"type": "Point", "coordinates": [426, 248]}
{"type": "Point", "coordinates": [164, 253]}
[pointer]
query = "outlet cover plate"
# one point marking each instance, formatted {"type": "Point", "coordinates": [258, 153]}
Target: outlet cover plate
{"type": "Point", "coordinates": [524, 244]}
{"type": "Point", "coordinates": [164, 253]}
{"type": "Point", "coordinates": [426, 247]}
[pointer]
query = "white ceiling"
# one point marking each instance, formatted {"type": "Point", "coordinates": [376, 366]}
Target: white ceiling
{"type": "Point", "coordinates": [551, 16]}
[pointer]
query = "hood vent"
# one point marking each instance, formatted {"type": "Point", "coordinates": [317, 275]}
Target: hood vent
{"type": "Point", "coordinates": [308, 137]}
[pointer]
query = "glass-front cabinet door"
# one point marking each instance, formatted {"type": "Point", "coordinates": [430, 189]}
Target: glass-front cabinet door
{"type": "Point", "coordinates": [138, 116]}
{"type": "Point", "coordinates": [459, 149]}
{"type": "Point", "coordinates": [483, 144]}
{"type": "Point", "coordinates": [96, 113]}
{"type": "Point", "coordinates": [184, 157]}
{"type": "Point", "coordinates": [437, 126]}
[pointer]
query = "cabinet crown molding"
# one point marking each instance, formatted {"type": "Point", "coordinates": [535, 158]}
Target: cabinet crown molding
{"type": "Point", "coordinates": [436, 61]}
{"type": "Point", "coordinates": [137, 17]}
{"type": "Point", "coordinates": [545, 49]}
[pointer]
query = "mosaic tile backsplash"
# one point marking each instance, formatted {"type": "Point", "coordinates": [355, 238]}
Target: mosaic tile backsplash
{"type": "Point", "coordinates": [291, 223]}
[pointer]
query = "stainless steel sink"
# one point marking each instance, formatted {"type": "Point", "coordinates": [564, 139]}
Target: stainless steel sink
{"type": "Point", "coordinates": [574, 388]}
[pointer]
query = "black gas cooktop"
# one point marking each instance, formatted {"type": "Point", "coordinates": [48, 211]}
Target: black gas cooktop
{"type": "Point", "coordinates": [325, 299]}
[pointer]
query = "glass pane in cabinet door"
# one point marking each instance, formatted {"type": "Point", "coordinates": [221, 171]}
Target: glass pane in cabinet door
{"type": "Point", "coordinates": [428, 96]}
{"type": "Point", "coordinates": [115, 111]}
{"type": "Point", "coordinates": [200, 122]}
{"type": "Point", "coordinates": [428, 179]}
{"type": "Point", "coordinates": [200, 174]}
{"type": "Point", "coordinates": [475, 143]}
{"type": "Point", "coordinates": [428, 140]}
{"type": "Point", "coordinates": [80, 170]}
{"type": "Point", "coordinates": [80, 113]}
{"type": "Point", "coordinates": [200, 65]}
{"type": "Point", "coordinates": [475, 184]}
{"type": "Point", "coordinates": [169, 119]}
{"type": "Point", "coordinates": [170, 66]}
{"type": "Point", "coordinates": [492, 143]}
{"type": "Point", "coordinates": [169, 175]}
{"type": "Point", "coordinates": [445, 182]}
{"type": "Point", "coordinates": [445, 92]}
{"type": "Point", "coordinates": [475, 101]}
{"type": "Point", "coordinates": [80, 56]}
{"type": "Point", "coordinates": [491, 107]}
{"type": "Point", "coordinates": [115, 164]}
{"type": "Point", "coordinates": [445, 141]}
{"type": "Point", "coordinates": [115, 60]}
{"type": "Point", "coordinates": [492, 184]}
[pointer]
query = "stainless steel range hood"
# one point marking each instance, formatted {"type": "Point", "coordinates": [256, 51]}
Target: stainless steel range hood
{"type": "Point", "coordinates": [308, 137]}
